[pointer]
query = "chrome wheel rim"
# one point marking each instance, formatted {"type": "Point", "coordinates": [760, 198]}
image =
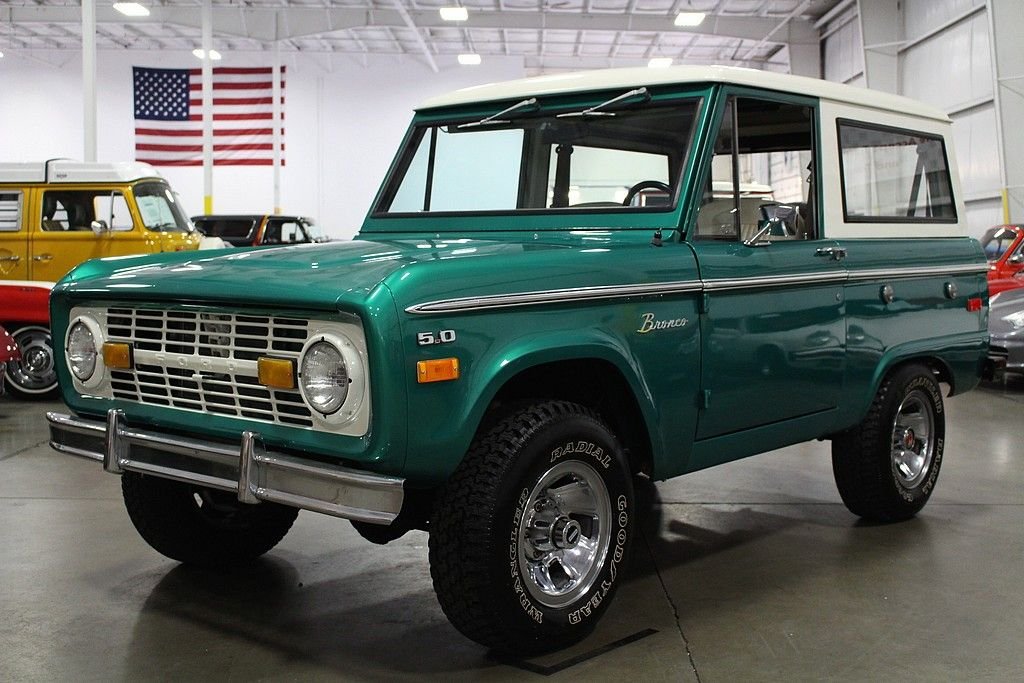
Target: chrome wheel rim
{"type": "Point", "coordinates": [35, 372]}
{"type": "Point", "coordinates": [564, 533]}
{"type": "Point", "coordinates": [913, 439]}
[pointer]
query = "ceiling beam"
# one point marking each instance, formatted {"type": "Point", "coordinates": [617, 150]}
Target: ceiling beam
{"type": "Point", "coordinates": [258, 22]}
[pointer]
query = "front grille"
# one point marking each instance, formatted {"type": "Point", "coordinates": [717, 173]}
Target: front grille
{"type": "Point", "coordinates": [225, 337]}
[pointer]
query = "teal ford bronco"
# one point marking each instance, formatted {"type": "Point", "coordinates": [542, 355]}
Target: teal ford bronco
{"type": "Point", "coordinates": [564, 283]}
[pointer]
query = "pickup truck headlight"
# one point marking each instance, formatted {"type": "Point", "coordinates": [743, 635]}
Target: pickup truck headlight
{"type": "Point", "coordinates": [82, 351]}
{"type": "Point", "coordinates": [324, 377]}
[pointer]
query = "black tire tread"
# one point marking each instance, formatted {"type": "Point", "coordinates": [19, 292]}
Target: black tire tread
{"type": "Point", "coordinates": [167, 517]}
{"type": "Point", "coordinates": [462, 586]}
{"type": "Point", "coordinates": [864, 479]}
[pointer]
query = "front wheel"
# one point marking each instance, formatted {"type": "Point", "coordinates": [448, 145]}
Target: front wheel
{"type": "Point", "coordinates": [35, 375]}
{"type": "Point", "coordinates": [529, 537]}
{"type": "Point", "coordinates": [202, 526]}
{"type": "Point", "coordinates": [887, 466]}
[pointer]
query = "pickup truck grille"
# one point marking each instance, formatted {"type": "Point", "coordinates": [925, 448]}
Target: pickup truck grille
{"type": "Point", "coordinates": [231, 342]}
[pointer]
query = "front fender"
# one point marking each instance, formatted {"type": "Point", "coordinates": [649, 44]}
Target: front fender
{"type": "Point", "coordinates": [450, 413]}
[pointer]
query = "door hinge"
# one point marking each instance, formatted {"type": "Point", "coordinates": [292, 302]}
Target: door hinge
{"type": "Point", "coordinates": [705, 399]}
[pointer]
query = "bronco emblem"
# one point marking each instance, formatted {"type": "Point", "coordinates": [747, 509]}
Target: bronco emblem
{"type": "Point", "coordinates": [650, 323]}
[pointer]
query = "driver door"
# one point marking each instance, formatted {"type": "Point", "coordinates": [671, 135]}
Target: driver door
{"type": "Point", "coordinates": [773, 334]}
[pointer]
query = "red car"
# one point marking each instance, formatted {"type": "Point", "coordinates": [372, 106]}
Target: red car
{"type": "Point", "coordinates": [25, 313]}
{"type": "Point", "coordinates": [8, 352]}
{"type": "Point", "coordinates": [1004, 249]}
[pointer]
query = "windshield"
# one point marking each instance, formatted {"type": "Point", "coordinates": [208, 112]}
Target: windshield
{"type": "Point", "coordinates": [627, 160]}
{"type": "Point", "coordinates": [160, 209]}
{"type": "Point", "coordinates": [316, 233]}
{"type": "Point", "coordinates": [226, 228]}
{"type": "Point", "coordinates": [996, 241]}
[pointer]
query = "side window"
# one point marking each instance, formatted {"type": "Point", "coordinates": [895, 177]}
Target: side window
{"type": "Point", "coordinates": [891, 175]}
{"type": "Point", "coordinates": [763, 179]}
{"type": "Point", "coordinates": [112, 210]}
{"type": "Point", "coordinates": [70, 210]}
{"type": "Point", "coordinates": [10, 211]}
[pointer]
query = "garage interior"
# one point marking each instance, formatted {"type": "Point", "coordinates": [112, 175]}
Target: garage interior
{"type": "Point", "coordinates": [749, 571]}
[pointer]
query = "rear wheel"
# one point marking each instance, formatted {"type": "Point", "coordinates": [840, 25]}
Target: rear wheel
{"type": "Point", "coordinates": [529, 536]}
{"type": "Point", "coordinates": [202, 526]}
{"type": "Point", "coordinates": [35, 374]}
{"type": "Point", "coordinates": [887, 466]}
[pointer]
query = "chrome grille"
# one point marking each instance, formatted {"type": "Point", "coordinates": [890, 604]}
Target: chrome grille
{"type": "Point", "coordinates": [213, 335]}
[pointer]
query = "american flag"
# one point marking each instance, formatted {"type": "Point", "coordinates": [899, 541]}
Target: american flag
{"type": "Point", "coordinates": [169, 116]}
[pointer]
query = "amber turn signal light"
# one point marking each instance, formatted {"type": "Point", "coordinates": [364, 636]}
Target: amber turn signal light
{"type": "Point", "coordinates": [117, 356]}
{"type": "Point", "coordinates": [441, 370]}
{"type": "Point", "coordinates": [276, 373]}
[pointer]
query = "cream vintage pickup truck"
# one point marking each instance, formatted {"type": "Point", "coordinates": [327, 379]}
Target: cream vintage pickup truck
{"type": "Point", "coordinates": [564, 283]}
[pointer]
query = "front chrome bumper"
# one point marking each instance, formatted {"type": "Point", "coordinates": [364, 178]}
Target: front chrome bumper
{"type": "Point", "coordinates": [255, 473]}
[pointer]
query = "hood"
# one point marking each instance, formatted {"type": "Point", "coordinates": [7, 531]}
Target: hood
{"type": "Point", "coordinates": [308, 274]}
{"type": "Point", "coordinates": [414, 268]}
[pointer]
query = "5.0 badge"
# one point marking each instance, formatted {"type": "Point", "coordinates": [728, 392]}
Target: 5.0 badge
{"type": "Point", "coordinates": [431, 338]}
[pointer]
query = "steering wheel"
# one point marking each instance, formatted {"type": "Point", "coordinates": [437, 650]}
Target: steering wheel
{"type": "Point", "coordinates": [645, 185]}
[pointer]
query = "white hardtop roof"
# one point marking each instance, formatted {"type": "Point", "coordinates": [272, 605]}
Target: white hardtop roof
{"type": "Point", "coordinates": [65, 171]}
{"type": "Point", "coordinates": [610, 79]}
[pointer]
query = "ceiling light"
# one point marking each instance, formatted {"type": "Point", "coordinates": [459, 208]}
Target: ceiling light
{"type": "Point", "coordinates": [469, 59]}
{"type": "Point", "coordinates": [131, 9]}
{"type": "Point", "coordinates": [1, 54]}
{"type": "Point", "coordinates": [690, 18]}
{"type": "Point", "coordinates": [198, 52]}
{"type": "Point", "coordinates": [660, 62]}
{"type": "Point", "coordinates": [454, 13]}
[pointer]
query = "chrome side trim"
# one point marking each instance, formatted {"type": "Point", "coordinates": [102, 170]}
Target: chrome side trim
{"type": "Point", "coordinates": [553, 296]}
{"type": "Point", "coordinates": [922, 271]}
{"type": "Point", "coordinates": [557, 296]}
{"type": "Point", "coordinates": [773, 281]}
{"type": "Point", "coordinates": [248, 469]}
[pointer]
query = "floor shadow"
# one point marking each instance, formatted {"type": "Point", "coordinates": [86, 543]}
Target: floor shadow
{"type": "Point", "coordinates": [339, 625]}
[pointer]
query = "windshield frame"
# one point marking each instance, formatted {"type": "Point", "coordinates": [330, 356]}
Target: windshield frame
{"type": "Point", "coordinates": [626, 217]}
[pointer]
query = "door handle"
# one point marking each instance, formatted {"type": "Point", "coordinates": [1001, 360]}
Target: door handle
{"type": "Point", "coordinates": [833, 253]}
{"type": "Point", "coordinates": [12, 259]}
{"type": "Point", "coordinates": [43, 257]}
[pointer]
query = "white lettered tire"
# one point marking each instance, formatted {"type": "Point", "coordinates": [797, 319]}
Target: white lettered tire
{"type": "Point", "coordinates": [529, 538]}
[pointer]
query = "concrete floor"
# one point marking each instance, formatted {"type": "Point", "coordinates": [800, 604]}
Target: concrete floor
{"type": "Point", "coordinates": [750, 571]}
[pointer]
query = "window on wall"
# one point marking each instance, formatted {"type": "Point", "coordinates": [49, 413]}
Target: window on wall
{"type": "Point", "coordinates": [10, 211]}
{"type": "Point", "coordinates": [762, 174]}
{"type": "Point", "coordinates": [891, 175]}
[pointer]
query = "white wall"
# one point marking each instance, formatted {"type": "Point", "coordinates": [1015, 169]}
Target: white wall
{"type": "Point", "coordinates": [951, 69]}
{"type": "Point", "coordinates": [343, 122]}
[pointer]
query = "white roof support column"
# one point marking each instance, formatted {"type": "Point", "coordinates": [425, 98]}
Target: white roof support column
{"type": "Point", "coordinates": [207, 17]}
{"type": "Point", "coordinates": [880, 36]}
{"type": "Point", "coordinates": [89, 79]}
{"type": "Point", "coordinates": [276, 116]}
{"type": "Point", "coordinates": [1006, 23]}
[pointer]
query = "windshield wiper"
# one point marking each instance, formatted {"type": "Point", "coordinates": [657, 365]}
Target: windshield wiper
{"type": "Point", "coordinates": [596, 109]}
{"type": "Point", "coordinates": [495, 119]}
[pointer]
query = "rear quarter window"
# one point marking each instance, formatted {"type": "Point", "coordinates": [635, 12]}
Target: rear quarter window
{"type": "Point", "coordinates": [892, 175]}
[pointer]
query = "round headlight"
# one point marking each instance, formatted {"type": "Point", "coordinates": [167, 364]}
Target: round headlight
{"type": "Point", "coordinates": [81, 351]}
{"type": "Point", "coordinates": [324, 377]}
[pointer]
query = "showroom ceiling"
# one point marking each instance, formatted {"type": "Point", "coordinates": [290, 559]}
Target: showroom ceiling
{"type": "Point", "coordinates": [548, 34]}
